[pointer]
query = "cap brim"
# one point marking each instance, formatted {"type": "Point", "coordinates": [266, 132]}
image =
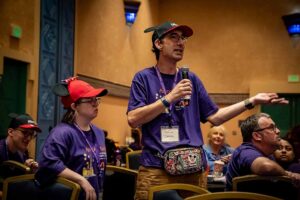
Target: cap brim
{"type": "Point", "coordinates": [96, 93]}
{"type": "Point", "coordinates": [30, 126]}
{"type": "Point", "coordinates": [186, 30]}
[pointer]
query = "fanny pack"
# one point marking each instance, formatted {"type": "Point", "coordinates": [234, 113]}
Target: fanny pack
{"type": "Point", "coordinates": [181, 161]}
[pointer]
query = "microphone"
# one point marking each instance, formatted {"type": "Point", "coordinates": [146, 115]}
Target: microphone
{"type": "Point", "coordinates": [185, 75]}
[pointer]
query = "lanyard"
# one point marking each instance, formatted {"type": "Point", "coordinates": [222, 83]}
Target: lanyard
{"type": "Point", "coordinates": [163, 85]}
{"type": "Point", "coordinates": [165, 91]}
{"type": "Point", "coordinates": [88, 143]}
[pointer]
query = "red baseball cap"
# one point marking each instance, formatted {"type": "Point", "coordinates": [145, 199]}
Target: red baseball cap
{"type": "Point", "coordinates": [75, 89]}
{"type": "Point", "coordinates": [80, 89]}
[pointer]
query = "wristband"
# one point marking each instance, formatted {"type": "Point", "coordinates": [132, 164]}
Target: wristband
{"type": "Point", "coordinates": [165, 102]}
{"type": "Point", "coordinates": [248, 104]}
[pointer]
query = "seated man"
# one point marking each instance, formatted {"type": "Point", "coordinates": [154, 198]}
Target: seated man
{"type": "Point", "coordinates": [21, 131]}
{"type": "Point", "coordinates": [254, 155]}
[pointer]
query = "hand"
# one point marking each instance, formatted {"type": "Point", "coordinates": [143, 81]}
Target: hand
{"type": "Point", "coordinates": [226, 158]}
{"type": "Point", "coordinates": [267, 98]}
{"type": "Point", "coordinates": [90, 193]}
{"type": "Point", "coordinates": [183, 88]}
{"type": "Point", "coordinates": [295, 178]}
{"type": "Point", "coordinates": [32, 164]}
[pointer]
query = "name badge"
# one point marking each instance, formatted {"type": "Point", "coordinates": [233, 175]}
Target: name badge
{"type": "Point", "coordinates": [169, 134]}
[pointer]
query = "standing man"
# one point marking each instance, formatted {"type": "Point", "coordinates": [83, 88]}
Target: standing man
{"type": "Point", "coordinates": [168, 121]}
{"type": "Point", "coordinates": [255, 154]}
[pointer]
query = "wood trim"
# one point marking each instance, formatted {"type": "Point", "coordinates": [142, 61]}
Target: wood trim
{"type": "Point", "coordinates": [118, 90]}
{"type": "Point", "coordinates": [227, 99]}
{"type": "Point", "coordinates": [114, 89]}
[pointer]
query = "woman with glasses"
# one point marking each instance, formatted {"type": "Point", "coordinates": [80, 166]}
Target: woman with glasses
{"type": "Point", "coordinates": [75, 148]}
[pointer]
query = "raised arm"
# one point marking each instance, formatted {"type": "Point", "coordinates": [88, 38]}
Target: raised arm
{"type": "Point", "coordinates": [227, 113]}
{"type": "Point", "coordinates": [147, 113]}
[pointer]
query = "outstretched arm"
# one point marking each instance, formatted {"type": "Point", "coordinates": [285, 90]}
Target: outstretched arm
{"type": "Point", "coordinates": [227, 113]}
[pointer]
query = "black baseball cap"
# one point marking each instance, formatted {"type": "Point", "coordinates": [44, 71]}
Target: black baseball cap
{"type": "Point", "coordinates": [163, 29]}
{"type": "Point", "coordinates": [23, 121]}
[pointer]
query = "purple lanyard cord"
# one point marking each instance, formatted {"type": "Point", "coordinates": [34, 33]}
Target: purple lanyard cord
{"type": "Point", "coordinates": [88, 143]}
{"type": "Point", "coordinates": [163, 85]}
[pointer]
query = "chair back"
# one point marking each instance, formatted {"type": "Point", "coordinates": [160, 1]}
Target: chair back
{"type": "Point", "coordinates": [232, 195]}
{"type": "Point", "coordinates": [11, 168]}
{"type": "Point", "coordinates": [25, 187]}
{"type": "Point", "coordinates": [278, 186]}
{"type": "Point", "coordinates": [119, 183]}
{"type": "Point", "coordinates": [133, 159]}
{"type": "Point", "coordinates": [169, 191]}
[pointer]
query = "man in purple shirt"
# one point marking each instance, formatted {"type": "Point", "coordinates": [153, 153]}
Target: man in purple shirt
{"type": "Point", "coordinates": [157, 104]}
{"type": "Point", "coordinates": [254, 156]}
{"type": "Point", "coordinates": [22, 129]}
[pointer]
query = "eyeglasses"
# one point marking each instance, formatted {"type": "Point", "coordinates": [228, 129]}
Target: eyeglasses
{"type": "Point", "coordinates": [92, 100]}
{"type": "Point", "coordinates": [273, 127]}
{"type": "Point", "coordinates": [176, 37]}
{"type": "Point", "coordinates": [27, 133]}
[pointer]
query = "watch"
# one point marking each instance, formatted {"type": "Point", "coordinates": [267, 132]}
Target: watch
{"type": "Point", "coordinates": [248, 104]}
{"type": "Point", "coordinates": [165, 102]}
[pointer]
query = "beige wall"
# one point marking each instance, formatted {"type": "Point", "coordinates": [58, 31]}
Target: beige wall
{"type": "Point", "coordinates": [106, 48]}
{"type": "Point", "coordinates": [24, 13]}
{"type": "Point", "coordinates": [238, 47]}
{"type": "Point", "coordinates": [236, 42]}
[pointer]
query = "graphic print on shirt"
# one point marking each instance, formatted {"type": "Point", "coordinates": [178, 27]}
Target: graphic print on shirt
{"type": "Point", "coordinates": [94, 165]}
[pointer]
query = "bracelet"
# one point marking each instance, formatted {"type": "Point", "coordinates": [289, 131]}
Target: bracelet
{"type": "Point", "coordinates": [165, 102]}
{"type": "Point", "coordinates": [248, 104]}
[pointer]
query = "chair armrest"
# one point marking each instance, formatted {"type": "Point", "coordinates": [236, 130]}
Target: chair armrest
{"type": "Point", "coordinates": [18, 165]}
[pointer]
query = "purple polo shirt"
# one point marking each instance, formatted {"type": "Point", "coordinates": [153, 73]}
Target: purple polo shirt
{"type": "Point", "coordinates": [67, 147]}
{"type": "Point", "coordinates": [146, 89]}
{"type": "Point", "coordinates": [241, 161]}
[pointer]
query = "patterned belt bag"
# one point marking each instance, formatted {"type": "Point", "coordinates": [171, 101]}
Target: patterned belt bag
{"type": "Point", "coordinates": [183, 160]}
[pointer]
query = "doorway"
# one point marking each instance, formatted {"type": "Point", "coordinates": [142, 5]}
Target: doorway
{"type": "Point", "coordinates": [12, 91]}
{"type": "Point", "coordinates": [285, 116]}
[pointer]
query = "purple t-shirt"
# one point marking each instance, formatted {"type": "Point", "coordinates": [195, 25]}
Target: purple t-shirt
{"type": "Point", "coordinates": [294, 167]}
{"type": "Point", "coordinates": [67, 147]}
{"type": "Point", "coordinates": [145, 90]}
{"type": "Point", "coordinates": [5, 154]}
{"type": "Point", "coordinates": [241, 161]}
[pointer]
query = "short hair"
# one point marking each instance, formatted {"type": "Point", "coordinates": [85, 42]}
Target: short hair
{"type": "Point", "coordinates": [155, 50]}
{"type": "Point", "coordinates": [250, 124]}
{"type": "Point", "coordinates": [214, 129]}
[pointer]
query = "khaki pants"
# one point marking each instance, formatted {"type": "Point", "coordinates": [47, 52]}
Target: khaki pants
{"type": "Point", "coordinates": [149, 176]}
